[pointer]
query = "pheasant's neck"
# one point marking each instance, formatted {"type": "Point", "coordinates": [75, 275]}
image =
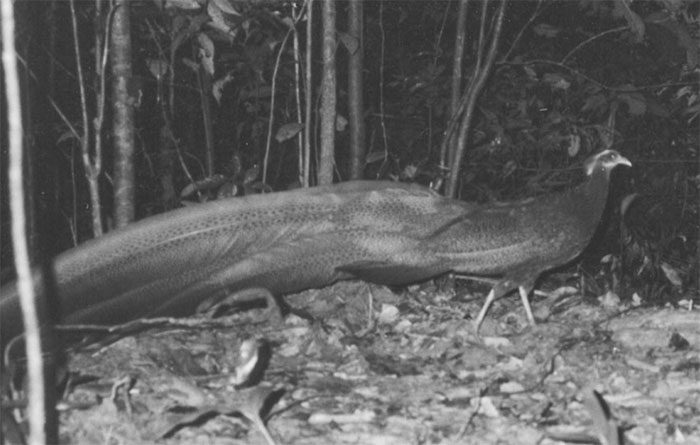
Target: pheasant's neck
{"type": "Point", "coordinates": [593, 195]}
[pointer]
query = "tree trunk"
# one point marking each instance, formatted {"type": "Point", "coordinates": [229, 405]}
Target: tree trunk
{"type": "Point", "coordinates": [205, 90]}
{"type": "Point", "coordinates": [457, 73]}
{"type": "Point", "coordinates": [308, 95]}
{"type": "Point", "coordinates": [481, 71]}
{"type": "Point", "coordinates": [36, 408]}
{"type": "Point", "coordinates": [328, 96]}
{"type": "Point", "coordinates": [355, 90]}
{"type": "Point", "coordinates": [123, 116]}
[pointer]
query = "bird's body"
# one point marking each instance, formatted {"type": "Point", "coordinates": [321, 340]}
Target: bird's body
{"type": "Point", "coordinates": [518, 241]}
{"type": "Point", "coordinates": [535, 233]}
{"type": "Point", "coordinates": [383, 232]}
{"type": "Point", "coordinates": [285, 242]}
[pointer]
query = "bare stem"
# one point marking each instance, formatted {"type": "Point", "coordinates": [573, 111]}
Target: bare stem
{"type": "Point", "coordinates": [35, 367]}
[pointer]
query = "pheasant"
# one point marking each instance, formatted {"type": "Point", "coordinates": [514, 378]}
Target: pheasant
{"type": "Point", "coordinates": [173, 263]}
{"type": "Point", "coordinates": [388, 233]}
{"type": "Point", "coordinates": [518, 241]}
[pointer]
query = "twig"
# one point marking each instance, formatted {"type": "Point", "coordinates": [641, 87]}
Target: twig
{"type": "Point", "coordinates": [272, 103]}
{"type": "Point", "coordinates": [481, 71]}
{"type": "Point", "coordinates": [532, 18]}
{"type": "Point", "coordinates": [53, 103]}
{"type": "Point", "coordinates": [297, 91]}
{"type": "Point", "coordinates": [587, 41]}
{"type": "Point", "coordinates": [99, 120]}
{"type": "Point", "coordinates": [91, 168]}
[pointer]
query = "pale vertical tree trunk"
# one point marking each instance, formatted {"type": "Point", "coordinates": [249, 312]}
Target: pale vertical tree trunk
{"type": "Point", "coordinates": [31, 187]}
{"type": "Point", "coordinates": [36, 411]}
{"type": "Point", "coordinates": [460, 36]}
{"type": "Point", "coordinates": [328, 96]}
{"type": "Point", "coordinates": [355, 90]}
{"type": "Point", "coordinates": [457, 73]}
{"type": "Point", "coordinates": [123, 115]}
{"type": "Point", "coordinates": [308, 96]}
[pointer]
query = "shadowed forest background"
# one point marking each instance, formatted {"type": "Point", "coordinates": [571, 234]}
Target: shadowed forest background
{"type": "Point", "coordinates": [568, 79]}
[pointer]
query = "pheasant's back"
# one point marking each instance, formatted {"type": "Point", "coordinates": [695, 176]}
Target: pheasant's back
{"type": "Point", "coordinates": [535, 234]}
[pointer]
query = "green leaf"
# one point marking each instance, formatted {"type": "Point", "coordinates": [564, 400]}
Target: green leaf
{"type": "Point", "coordinates": [288, 131]}
{"type": "Point", "coordinates": [341, 123]}
{"type": "Point", "coordinates": [226, 6]}
{"type": "Point", "coordinates": [596, 102]}
{"type": "Point", "coordinates": [556, 81]}
{"type": "Point", "coordinates": [350, 42]}
{"type": "Point", "coordinates": [218, 20]}
{"type": "Point", "coordinates": [217, 88]}
{"type": "Point", "coordinates": [157, 67]}
{"type": "Point", "coordinates": [574, 145]}
{"type": "Point", "coordinates": [251, 174]}
{"type": "Point", "coordinates": [206, 52]}
{"type": "Point", "coordinates": [185, 5]}
{"type": "Point", "coordinates": [545, 30]}
{"type": "Point", "coordinates": [636, 103]}
{"type": "Point", "coordinates": [375, 156]}
{"type": "Point", "coordinates": [636, 24]}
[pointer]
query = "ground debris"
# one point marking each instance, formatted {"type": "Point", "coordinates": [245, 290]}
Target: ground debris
{"type": "Point", "coordinates": [373, 366]}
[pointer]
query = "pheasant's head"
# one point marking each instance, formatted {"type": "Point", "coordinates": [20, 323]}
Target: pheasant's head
{"type": "Point", "coordinates": [605, 161]}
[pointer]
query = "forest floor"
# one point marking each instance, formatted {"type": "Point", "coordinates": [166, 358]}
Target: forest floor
{"type": "Point", "coordinates": [410, 371]}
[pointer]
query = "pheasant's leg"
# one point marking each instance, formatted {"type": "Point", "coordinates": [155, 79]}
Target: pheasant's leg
{"type": "Point", "coordinates": [526, 303]}
{"type": "Point", "coordinates": [484, 309]}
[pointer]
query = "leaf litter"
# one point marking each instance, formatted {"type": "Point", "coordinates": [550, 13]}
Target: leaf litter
{"type": "Point", "coordinates": [365, 365]}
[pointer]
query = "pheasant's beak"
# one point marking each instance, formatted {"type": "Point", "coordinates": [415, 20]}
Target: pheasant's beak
{"type": "Point", "coordinates": [621, 160]}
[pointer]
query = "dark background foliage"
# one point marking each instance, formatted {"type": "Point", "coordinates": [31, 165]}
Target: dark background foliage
{"type": "Point", "coordinates": [557, 79]}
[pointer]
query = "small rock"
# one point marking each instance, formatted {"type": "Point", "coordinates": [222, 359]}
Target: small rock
{"type": "Point", "coordinates": [485, 407]}
{"type": "Point", "coordinates": [388, 315]}
{"type": "Point", "coordinates": [511, 387]}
